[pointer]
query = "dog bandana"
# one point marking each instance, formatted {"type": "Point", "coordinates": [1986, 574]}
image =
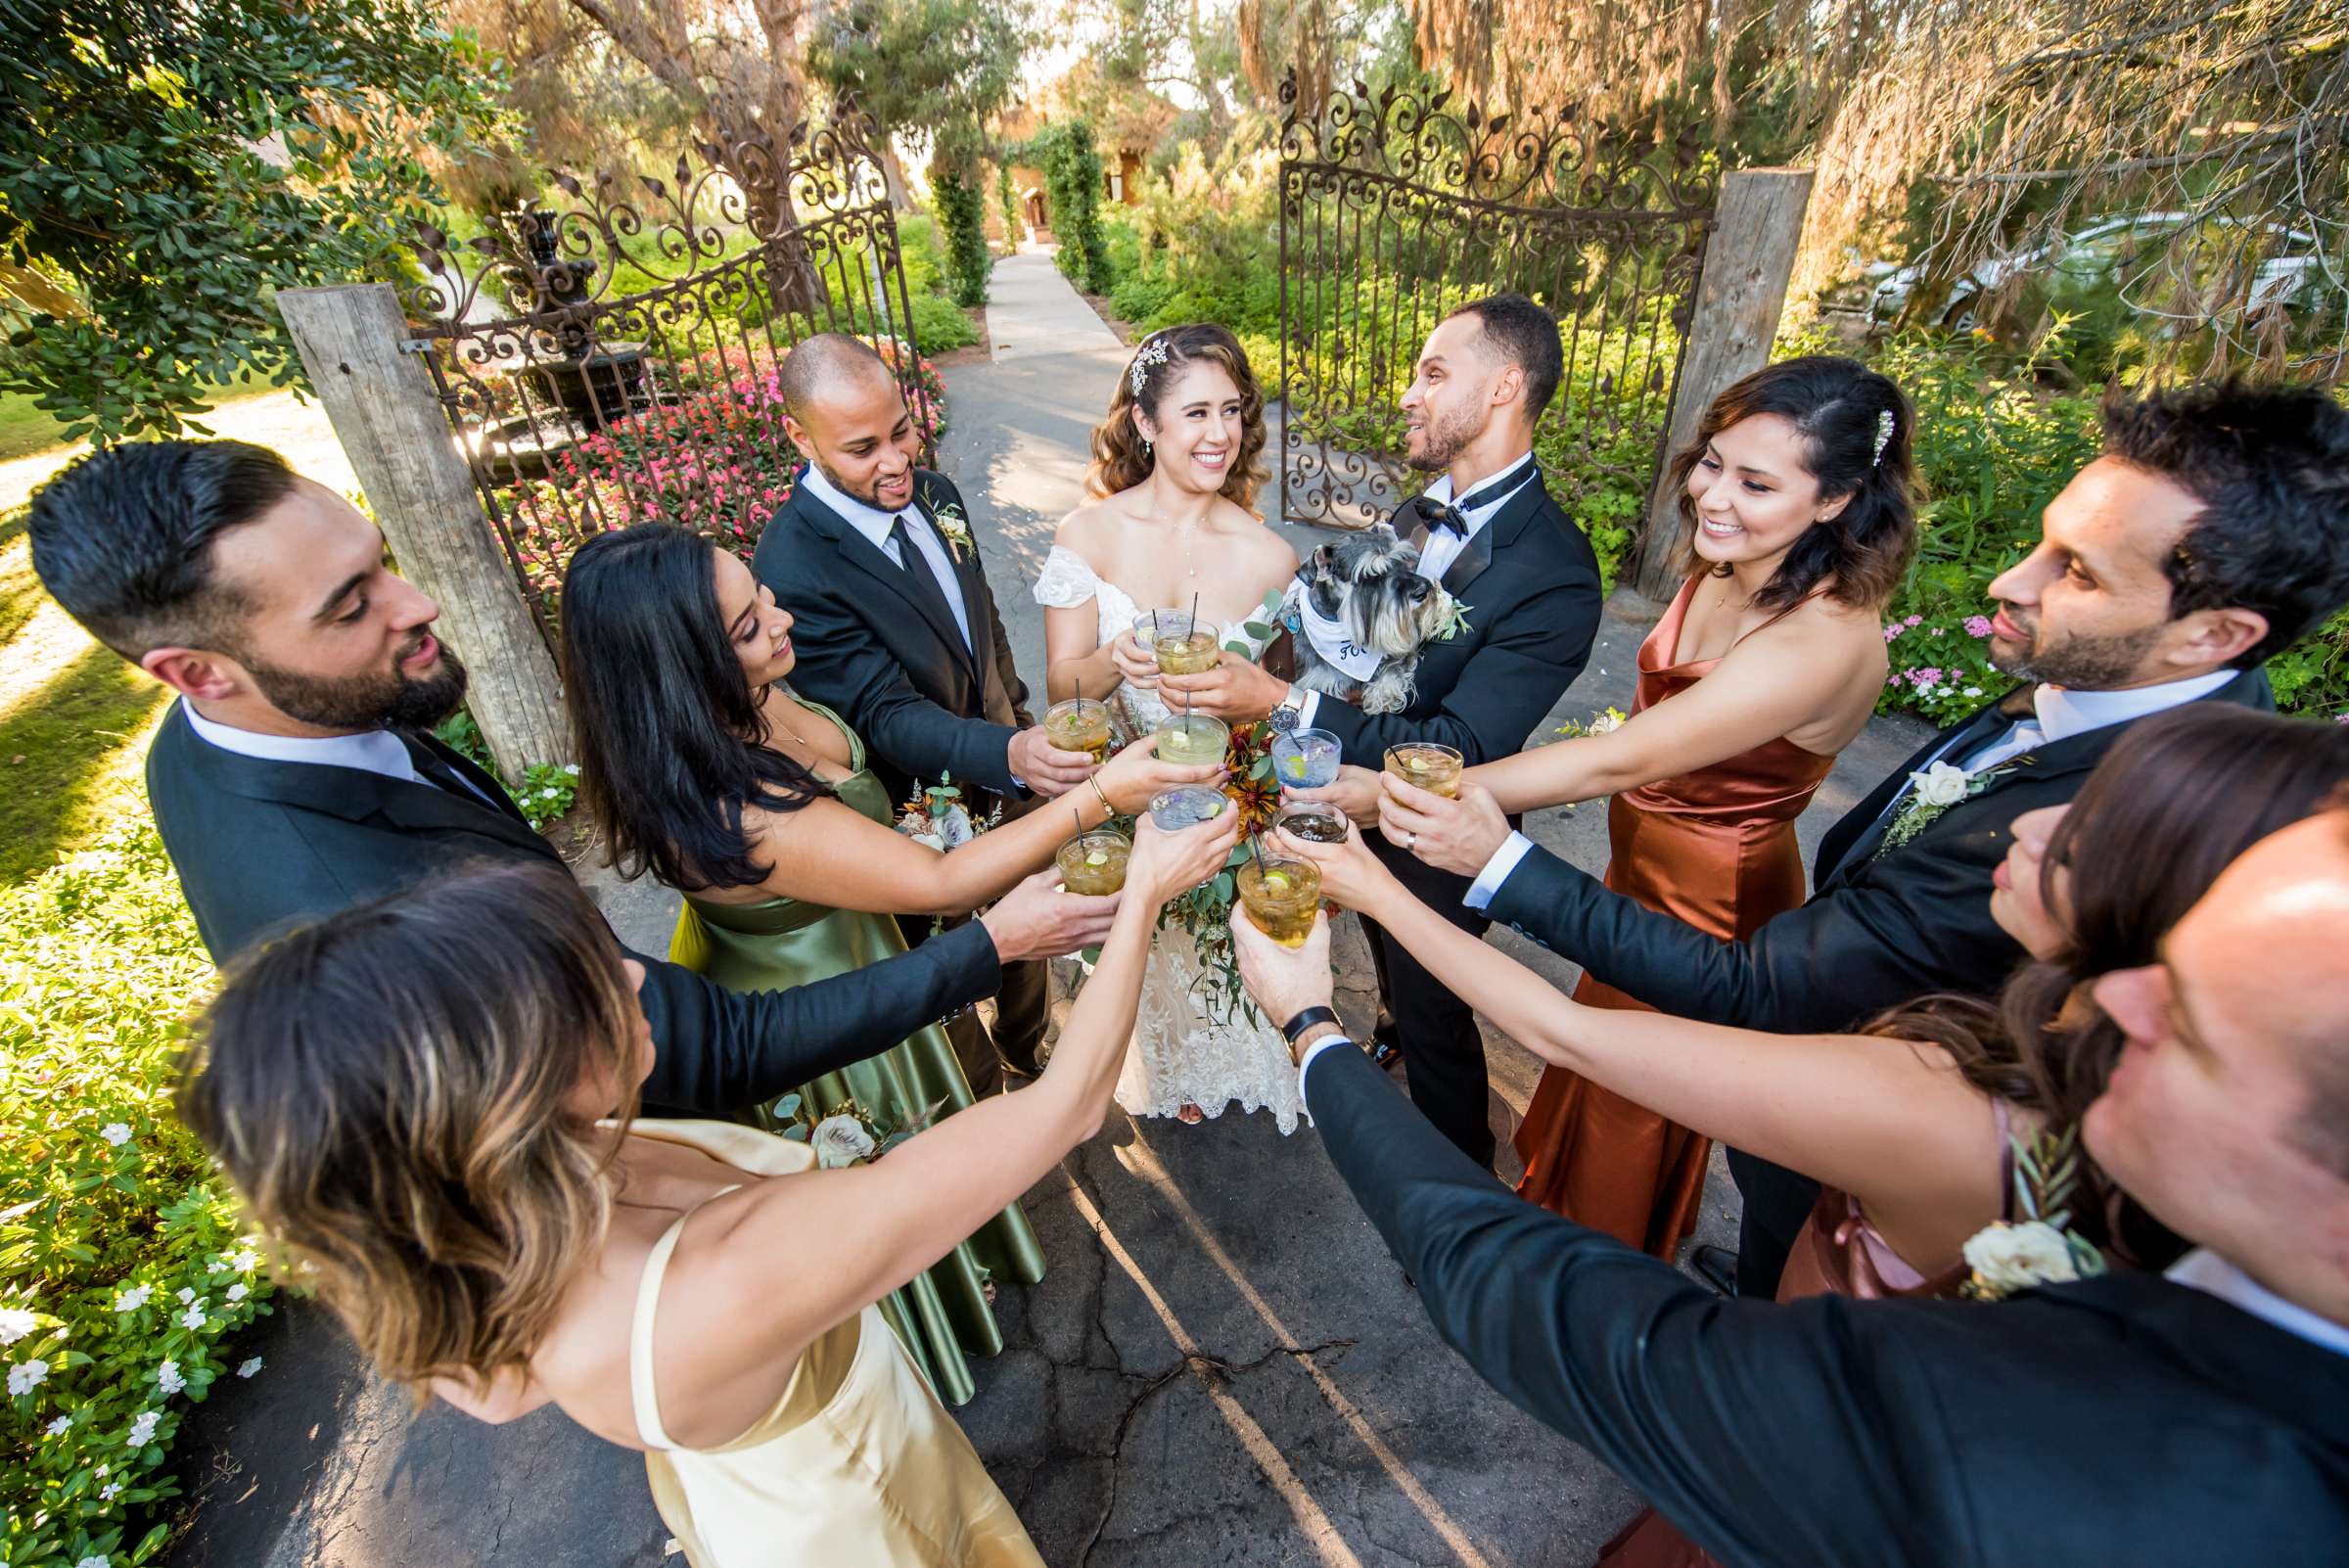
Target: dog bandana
{"type": "Point", "coordinates": [1331, 640]}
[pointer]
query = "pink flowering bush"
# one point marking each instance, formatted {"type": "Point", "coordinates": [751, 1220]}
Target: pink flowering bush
{"type": "Point", "coordinates": [711, 457]}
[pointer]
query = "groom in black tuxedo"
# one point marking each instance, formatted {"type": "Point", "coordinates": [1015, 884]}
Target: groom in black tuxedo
{"type": "Point", "coordinates": [297, 776]}
{"type": "Point", "coordinates": [2213, 532]}
{"type": "Point", "coordinates": [2196, 1417]}
{"type": "Point", "coordinates": [1525, 576]}
{"type": "Point", "coordinates": [896, 630]}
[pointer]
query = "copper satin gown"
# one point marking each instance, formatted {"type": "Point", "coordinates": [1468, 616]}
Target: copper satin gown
{"type": "Point", "coordinates": [1717, 849]}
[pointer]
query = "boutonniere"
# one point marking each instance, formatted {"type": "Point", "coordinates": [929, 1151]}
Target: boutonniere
{"type": "Point", "coordinates": [2040, 1249]}
{"type": "Point", "coordinates": [1456, 621]}
{"type": "Point", "coordinates": [1937, 789]}
{"type": "Point", "coordinates": [954, 528]}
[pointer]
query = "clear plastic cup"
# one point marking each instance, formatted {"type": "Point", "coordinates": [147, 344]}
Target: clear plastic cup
{"type": "Point", "coordinates": [1306, 759]}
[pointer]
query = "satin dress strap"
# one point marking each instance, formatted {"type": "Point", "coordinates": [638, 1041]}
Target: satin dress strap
{"type": "Point", "coordinates": [645, 1402]}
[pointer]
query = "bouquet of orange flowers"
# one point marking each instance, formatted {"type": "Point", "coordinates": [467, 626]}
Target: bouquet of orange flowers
{"type": "Point", "coordinates": [1206, 911]}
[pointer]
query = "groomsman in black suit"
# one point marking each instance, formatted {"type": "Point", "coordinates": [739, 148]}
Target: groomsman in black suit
{"type": "Point", "coordinates": [2196, 1417]}
{"type": "Point", "coordinates": [1488, 531]}
{"type": "Point", "coordinates": [297, 773]}
{"type": "Point", "coordinates": [878, 563]}
{"type": "Point", "coordinates": [2213, 532]}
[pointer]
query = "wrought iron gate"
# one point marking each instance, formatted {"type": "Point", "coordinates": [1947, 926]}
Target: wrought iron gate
{"type": "Point", "coordinates": [612, 360]}
{"type": "Point", "coordinates": [1394, 211]}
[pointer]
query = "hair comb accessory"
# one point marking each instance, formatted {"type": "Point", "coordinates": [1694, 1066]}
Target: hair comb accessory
{"type": "Point", "coordinates": [1884, 422]}
{"type": "Point", "coordinates": [1153, 352]}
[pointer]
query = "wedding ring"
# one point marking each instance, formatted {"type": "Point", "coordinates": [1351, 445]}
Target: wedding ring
{"type": "Point", "coordinates": [1411, 842]}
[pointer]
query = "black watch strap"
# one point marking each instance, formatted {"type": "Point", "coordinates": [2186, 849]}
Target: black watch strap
{"type": "Point", "coordinates": [1304, 1021]}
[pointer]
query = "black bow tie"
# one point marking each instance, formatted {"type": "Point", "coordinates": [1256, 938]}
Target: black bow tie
{"type": "Point", "coordinates": [1439, 517]}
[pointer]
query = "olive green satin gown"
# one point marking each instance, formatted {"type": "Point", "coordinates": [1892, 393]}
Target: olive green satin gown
{"type": "Point", "coordinates": [943, 1315]}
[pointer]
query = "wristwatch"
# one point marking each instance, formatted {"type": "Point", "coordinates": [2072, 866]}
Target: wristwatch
{"type": "Point", "coordinates": [1306, 1020]}
{"type": "Point", "coordinates": [1291, 708]}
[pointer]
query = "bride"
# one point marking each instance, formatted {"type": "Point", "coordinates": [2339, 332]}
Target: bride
{"type": "Point", "coordinates": [1174, 478]}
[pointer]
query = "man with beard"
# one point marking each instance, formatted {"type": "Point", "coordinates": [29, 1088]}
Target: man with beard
{"type": "Point", "coordinates": [2212, 534]}
{"type": "Point", "coordinates": [897, 631]}
{"type": "Point", "coordinates": [297, 776]}
{"type": "Point", "coordinates": [1527, 585]}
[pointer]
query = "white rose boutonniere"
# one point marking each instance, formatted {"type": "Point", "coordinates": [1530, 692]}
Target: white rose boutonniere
{"type": "Point", "coordinates": [842, 1140]}
{"type": "Point", "coordinates": [2039, 1247]}
{"type": "Point", "coordinates": [1934, 791]}
{"type": "Point", "coordinates": [2009, 1258]}
{"type": "Point", "coordinates": [954, 528]}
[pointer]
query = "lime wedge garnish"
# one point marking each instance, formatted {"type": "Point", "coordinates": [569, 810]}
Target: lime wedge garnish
{"type": "Point", "coordinates": [1098, 857]}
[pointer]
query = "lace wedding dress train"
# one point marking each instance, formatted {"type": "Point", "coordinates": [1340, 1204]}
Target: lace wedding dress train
{"type": "Point", "coordinates": [1180, 1055]}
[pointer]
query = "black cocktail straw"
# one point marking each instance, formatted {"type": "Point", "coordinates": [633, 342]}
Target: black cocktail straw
{"type": "Point", "coordinates": [1256, 847]}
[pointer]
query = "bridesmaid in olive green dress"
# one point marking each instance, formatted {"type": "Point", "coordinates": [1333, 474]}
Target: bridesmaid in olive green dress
{"type": "Point", "coordinates": [702, 766]}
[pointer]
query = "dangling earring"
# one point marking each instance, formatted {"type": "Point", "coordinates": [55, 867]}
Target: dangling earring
{"type": "Point", "coordinates": [1146, 446]}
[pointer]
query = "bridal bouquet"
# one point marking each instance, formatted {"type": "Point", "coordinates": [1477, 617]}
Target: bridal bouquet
{"type": "Point", "coordinates": [1206, 911]}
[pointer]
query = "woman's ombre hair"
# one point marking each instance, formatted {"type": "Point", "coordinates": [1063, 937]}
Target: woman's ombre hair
{"type": "Point", "coordinates": [396, 1094]}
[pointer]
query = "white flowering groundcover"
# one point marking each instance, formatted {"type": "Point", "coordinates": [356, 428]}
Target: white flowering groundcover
{"type": "Point", "coordinates": [123, 1272]}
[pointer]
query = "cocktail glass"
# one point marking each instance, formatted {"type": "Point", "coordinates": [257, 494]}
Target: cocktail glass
{"type": "Point", "coordinates": [1315, 821]}
{"type": "Point", "coordinates": [1432, 768]}
{"type": "Point", "coordinates": [1184, 646]}
{"type": "Point", "coordinates": [1080, 725]}
{"type": "Point", "coordinates": [1095, 864]}
{"type": "Point", "coordinates": [1282, 896]}
{"type": "Point", "coordinates": [1187, 805]}
{"type": "Point", "coordinates": [1194, 740]}
{"type": "Point", "coordinates": [1306, 759]}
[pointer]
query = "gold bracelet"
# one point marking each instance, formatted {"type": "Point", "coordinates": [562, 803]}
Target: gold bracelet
{"type": "Point", "coordinates": [1100, 795]}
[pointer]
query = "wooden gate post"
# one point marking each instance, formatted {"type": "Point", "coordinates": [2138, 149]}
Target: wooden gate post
{"type": "Point", "coordinates": [391, 424]}
{"type": "Point", "coordinates": [1743, 288]}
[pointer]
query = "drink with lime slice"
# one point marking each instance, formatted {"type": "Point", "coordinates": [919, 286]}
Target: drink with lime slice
{"type": "Point", "coordinates": [1080, 725]}
{"type": "Point", "coordinates": [1432, 768]}
{"type": "Point", "coordinates": [1306, 759]}
{"type": "Point", "coordinates": [1095, 864]}
{"type": "Point", "coordinates": [1187, 805]}
{"type": "Point", "coordinates": [1192, 739]}
{"type": "Point", "coordinates": [1282, 896]}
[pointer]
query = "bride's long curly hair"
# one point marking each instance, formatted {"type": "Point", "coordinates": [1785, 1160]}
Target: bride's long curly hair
{"type": "Point", "coordinates": [1120, 462]}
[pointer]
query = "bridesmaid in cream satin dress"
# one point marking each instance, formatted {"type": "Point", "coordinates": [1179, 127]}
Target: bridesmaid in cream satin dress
{"type": "Point", "coordinates": [694, 1290]}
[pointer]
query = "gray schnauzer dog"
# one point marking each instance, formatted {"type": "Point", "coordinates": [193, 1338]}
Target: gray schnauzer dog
{"type": "Point", "coordinates": [1365, 600]}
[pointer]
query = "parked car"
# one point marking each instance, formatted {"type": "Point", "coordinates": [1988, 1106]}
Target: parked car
{"type": "Point", "coordinates": [2115, 253]}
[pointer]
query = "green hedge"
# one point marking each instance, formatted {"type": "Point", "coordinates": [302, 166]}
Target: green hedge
{"type": "Point", "coordinates": [123, 1270]}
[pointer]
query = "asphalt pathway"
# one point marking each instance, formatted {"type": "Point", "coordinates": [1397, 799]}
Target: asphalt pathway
{"type": "Point", "coordinates": [1224, 1364]}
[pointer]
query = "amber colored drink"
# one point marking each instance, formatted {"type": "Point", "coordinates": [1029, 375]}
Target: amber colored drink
{"type": "Point", "coordinates": [1095, 864]}
{"type": "Point", "coordinates": [1192, 651]}
{"type": "Point", "coordinates": [1432, 768]}
{"type": "Point", "coordinates": [1282, 896]}
{"type": "Point", "coordinates": [1080, 725]}
{"type": "Point", "coordinates": [1194, 739]}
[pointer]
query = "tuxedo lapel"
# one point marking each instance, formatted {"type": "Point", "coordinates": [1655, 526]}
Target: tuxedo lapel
{"type": "Point", "coordinates": [1495, 536]}
{"type": "Point", "coordinates": [1872, 817]}
{"type": "Point", "coordinates": [872, 563]}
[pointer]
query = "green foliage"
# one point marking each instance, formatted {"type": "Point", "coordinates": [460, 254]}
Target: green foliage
{"type": "Point", "coordinates": [123, 1269]}
{"type": "Point", "coordinates": [162, 171]}
{"type": "Point", "coordinates": [963, 213]}
{"type": "Point", "coordinates": [1009, 200]}
{"type": "Point", "coordinates": [547, 792]}
{"type": "Point", "coordinates": [1073, 177]}
{"type": "Point", "coordinates": [929, 71]}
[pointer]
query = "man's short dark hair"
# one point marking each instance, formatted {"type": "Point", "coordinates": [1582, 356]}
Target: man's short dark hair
{"type": "Point", "coordinates": [2270, 467]}
{"type": "Point", "coordinates": [1527, 337]}
{"type": "Point", "coordinates": [825, 358]}
{"type": "Point", "coordinates": [123, 539]}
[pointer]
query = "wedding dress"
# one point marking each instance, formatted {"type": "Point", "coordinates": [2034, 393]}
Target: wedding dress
{"type": "Point", "coordinates": [1180, 1055]}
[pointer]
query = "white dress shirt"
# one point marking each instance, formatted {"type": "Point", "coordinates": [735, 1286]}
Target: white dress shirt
{"type": "Point", "coordinates": [2204, 1270]}
{"type": "Point", "coordinates": [374, 751]}
{"type": "Point", "coordinates": [2059, 714]}
{"type": "Point", "coordinates": [1443, 549]}
{"type": "Point", "coordinates": [875, 525]}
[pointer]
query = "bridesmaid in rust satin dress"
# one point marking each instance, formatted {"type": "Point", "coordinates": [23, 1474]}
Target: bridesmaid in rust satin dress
{"type": "Point", "coordinates": [1716, 849]}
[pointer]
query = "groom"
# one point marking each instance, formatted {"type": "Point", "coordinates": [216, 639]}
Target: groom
{"type": "Point", "coordinates": [1487, 530]}
{"type": "Point", "coordinates": [897, 631]}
